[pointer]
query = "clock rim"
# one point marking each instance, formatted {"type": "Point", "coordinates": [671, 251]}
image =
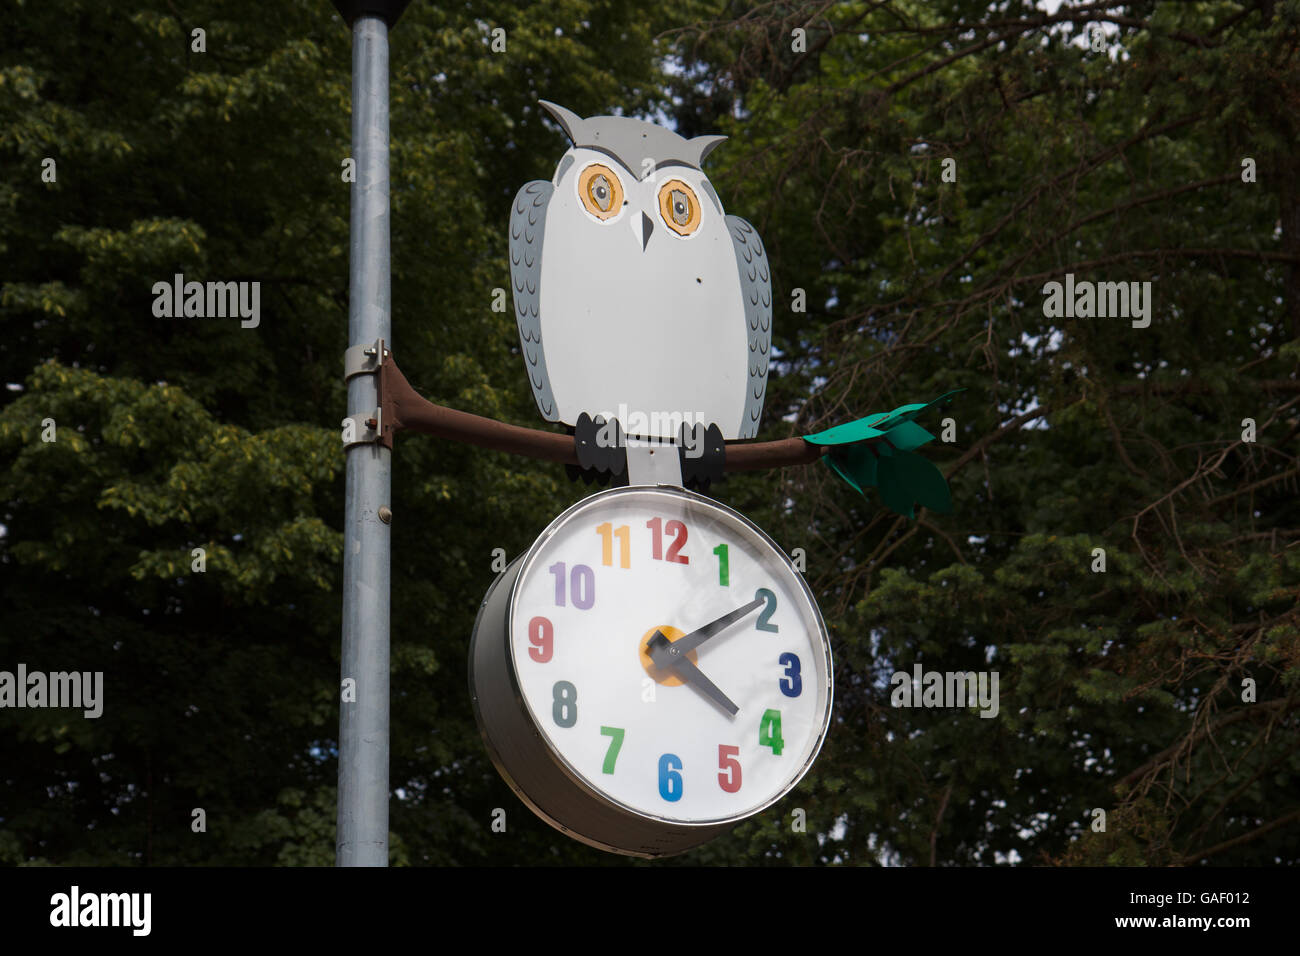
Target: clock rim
{"type": "Point", "coordinates": [561, 761]}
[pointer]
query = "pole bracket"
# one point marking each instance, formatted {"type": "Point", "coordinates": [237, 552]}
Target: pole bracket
{"type": "Point", "coordinates": [364, 359]}
{"type": "Point", "coordinates": [367, 428]}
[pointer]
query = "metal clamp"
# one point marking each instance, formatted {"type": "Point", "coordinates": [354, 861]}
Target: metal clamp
{"type": "Point", "coordinates": [653, 463]}
{"type": "Point", "coordinates": [364, 359]}
{"type": "Point", "coordinates": [366, 428]}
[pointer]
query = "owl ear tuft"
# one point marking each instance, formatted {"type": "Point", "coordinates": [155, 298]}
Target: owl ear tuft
{"type": "Point", "coordinates": [569, 121]}
{"type": "Point", "coordinates": [705, 145]}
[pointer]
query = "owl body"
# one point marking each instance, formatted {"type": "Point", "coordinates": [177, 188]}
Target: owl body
{"type": "Point", "coordinates": [637, 297]}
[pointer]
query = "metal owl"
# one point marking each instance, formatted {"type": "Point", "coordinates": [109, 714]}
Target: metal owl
{"type": "Point", "coordinates": [637, 297]}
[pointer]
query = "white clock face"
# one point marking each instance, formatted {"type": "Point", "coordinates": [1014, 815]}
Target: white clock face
{"type": "Point", "coordinates": [710, 735]}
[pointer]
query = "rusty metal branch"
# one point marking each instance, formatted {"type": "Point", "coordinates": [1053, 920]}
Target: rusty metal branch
{"type": "Point", "coordinates": [404, 407]}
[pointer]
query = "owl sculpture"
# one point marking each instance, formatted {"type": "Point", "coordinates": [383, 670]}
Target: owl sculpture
{"type": "Point", "coordinates": [637, 297]}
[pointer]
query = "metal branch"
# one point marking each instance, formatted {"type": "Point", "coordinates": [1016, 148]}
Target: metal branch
{"type": "Point", "coordinates": [404, 407]}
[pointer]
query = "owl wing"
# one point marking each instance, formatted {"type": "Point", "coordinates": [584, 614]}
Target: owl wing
{"type": "Point", "coordinates": [527, 226]}
{"type": "Point", "coordinates": [756, 291]}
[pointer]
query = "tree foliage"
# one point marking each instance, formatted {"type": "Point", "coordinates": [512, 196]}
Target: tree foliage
{"type": "Point", "coordinates": [1115, 160]}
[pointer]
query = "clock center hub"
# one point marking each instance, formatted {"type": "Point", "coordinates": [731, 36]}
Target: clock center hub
{"type": "Point", "coordinates": [662, 675]}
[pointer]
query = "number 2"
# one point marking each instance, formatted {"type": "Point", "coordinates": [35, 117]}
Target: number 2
{"type": "Point", "coordinates": [763, 619]}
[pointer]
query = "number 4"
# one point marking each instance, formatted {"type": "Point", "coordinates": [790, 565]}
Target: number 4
{"type": "Point", "coordinates": [769, 731]}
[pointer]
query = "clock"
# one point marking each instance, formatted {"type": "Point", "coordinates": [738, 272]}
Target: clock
{"type": "Point", "coordinates": [651, 671]}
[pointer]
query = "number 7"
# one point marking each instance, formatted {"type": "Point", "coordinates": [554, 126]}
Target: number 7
{"type": "Point", "coordinates": [615, 745]}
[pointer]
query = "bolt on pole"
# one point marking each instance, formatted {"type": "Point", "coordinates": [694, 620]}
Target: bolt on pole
{"type": "Point", "coordinates": [363, 720]}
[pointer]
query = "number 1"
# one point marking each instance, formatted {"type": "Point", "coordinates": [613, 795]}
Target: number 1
{"type": "Point", "coordinates": [724, 577]}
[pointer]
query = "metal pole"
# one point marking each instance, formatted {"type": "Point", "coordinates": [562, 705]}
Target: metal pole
{"type": "Point", "coordinates": [363, 723]}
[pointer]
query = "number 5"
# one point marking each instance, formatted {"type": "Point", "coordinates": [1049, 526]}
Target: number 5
{"type": "Point", "coordinates": [729, 781]}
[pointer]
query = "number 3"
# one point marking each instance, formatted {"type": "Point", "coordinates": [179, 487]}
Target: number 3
{"type": "Point", "coordinates": [791, 684]}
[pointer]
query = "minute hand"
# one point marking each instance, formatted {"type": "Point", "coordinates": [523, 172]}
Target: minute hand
{"type": "Point", "coordinates": [698, 636]}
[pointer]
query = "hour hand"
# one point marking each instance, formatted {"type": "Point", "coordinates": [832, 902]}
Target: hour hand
{"type": "Point", "coordinates": [666, 655]}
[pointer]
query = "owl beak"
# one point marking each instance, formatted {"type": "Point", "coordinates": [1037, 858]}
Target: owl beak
{"type": "Point", "coordinates": [647, 227]}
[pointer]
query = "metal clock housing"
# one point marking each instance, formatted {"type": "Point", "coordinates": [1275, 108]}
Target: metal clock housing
{"type": "Point", "coordinates": [602, 722]}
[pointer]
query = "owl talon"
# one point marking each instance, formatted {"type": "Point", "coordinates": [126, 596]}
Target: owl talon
{"type": "Point", "coordinates": [600, 448]}
{"type": "Point", "coordinates": [703, 455]}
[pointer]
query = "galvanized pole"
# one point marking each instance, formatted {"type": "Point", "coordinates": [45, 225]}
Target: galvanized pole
{"type": "Point", "coordinates": [363, 721]}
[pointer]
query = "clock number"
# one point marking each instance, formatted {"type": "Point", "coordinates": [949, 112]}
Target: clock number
{"type": "Point", "coordinates": [670, 781]}
{"type": "Point", "coordinates": [792, 684]}
{"type": "Point", "coordinates": [762, 623]}
{"type": "Point", "coordinates": [724, 577]}
{"type": "Point", "coordinates": [558, 570]}
{"type": "Point", "coordinates": [656, 526]}
{"type": "Point", "coordinates": [729, 781]}
{"type": "Point", "coordinates": [541, 634]}
{"type": "Point", "coordinates": [582, 585]}
{"type": "Point", "coordinates": [607, 534]}
{"type": "Point", "coordinates": [565, 706]}
{"type": "Point", "coordinates": [615, 745]}
{"type": "Point", "coordinates": [678, 529]}
{"type": "Point", "coordinates": [769, 731]}
{"type": "Point", "coordinates": [675, 528]}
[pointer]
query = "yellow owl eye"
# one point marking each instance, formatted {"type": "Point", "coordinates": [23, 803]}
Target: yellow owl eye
{"type": "Point", "coordinates": [679, 207]}
{"type": "Point", "coordinates": [601, 191]}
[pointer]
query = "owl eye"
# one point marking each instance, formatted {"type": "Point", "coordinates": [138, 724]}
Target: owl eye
{"type": "Point", "coordinates": [601, 191]}
{"type": "Point", "coordinates": [679, 207]}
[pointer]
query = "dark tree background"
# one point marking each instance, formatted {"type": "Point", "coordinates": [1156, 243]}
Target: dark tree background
{"type": "Point", "coordinates": [1159, 149]}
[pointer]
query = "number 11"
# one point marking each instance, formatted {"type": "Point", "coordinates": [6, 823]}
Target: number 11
{"type": "Point", "coordinates": [607, 534]}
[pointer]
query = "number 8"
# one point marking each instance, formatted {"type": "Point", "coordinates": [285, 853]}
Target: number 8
{"type": "Point", "coordinates": [565, 706]}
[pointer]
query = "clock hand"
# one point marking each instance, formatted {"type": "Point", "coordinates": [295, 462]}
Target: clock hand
{"type": "Point", "coordinates": [665, 654]}
{"type": "Point", "coordinates": [689, 642]}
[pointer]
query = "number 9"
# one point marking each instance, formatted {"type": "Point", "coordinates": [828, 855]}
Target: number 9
{"type": "Point", "coordinates": [541, 634]}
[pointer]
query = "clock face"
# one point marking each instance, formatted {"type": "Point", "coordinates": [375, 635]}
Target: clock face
{"type": "Point", "coordinates": [706, 735]}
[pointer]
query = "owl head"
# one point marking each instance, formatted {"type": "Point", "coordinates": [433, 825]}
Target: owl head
{"type": "Point", "coordinates": [625, 172]}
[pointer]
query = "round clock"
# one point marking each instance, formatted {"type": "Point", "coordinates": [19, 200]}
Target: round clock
{"type": "Point", "coordinates": [652, 671]}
